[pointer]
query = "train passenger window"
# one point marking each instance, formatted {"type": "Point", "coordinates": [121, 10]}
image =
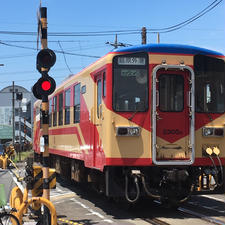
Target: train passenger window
{"type": "Point", "coordinates": [76, 106]}
{"type": "Point", "coordinates": [130, 83]}
{"type": "Point", "coordinates": [60, 122]}
{"type": "Point", "coordinates": [55, 111]}
{"type": "Point", "coordinates": [83, 89]}
{"type": "Point", "coordinates": [67, 106]}
{"type": "Point", "coordinates": [209, 84]}
{"type": "Point", "coordinates": [171, 93]}
{"type": "Point", "coordinates": [99, 96]}
{"type": "Point", "coordinates": [50, 112]}
{"type": "Point", "coordinates": [104, 85]}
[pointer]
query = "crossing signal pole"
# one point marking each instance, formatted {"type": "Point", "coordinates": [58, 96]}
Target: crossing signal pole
{"type": "Point", "coordinates": [42, 89]}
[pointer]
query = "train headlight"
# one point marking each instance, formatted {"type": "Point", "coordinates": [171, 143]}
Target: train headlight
{"type": "Point", "coordinates": [207, 131]}
{"type": "Point", "coordinates": [213, 131]}
{"type": "Point", "coordinates": [216, 150]}
{"type": "Point", "coordinates": [128, 131]}
{"type": "Point", "coordinates": [219, 132]}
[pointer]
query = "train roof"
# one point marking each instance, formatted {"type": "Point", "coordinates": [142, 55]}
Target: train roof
{"type": "Point", "coordinates": [169, 48]}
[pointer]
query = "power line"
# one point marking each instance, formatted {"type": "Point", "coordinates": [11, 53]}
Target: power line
{"type": "Point", "coordinates": [188, 21]}
{"type": "Point", "coordinates": [73, 34]}
{"type": "Point", "coordinates": [34, 71]}
{"type": "Point", "coordinates": [29, 41]}
{"type": "Point", "coordinates": [1, 82]}
{"type": "Point", "coordinates": [64, 57]}
{"type": "Point", "coordinates": [122, 32]}
{"type": "Point", "coordinates": [68, 53]}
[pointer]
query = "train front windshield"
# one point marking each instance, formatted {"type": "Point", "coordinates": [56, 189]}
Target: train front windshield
{"type": "Point", "coordinates": [130, 83]}
{"type": "Point", "coordinates": [209, 84]}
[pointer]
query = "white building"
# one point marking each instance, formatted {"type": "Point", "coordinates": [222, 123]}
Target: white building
{"type": "Point", "coordinates": [25, 118]}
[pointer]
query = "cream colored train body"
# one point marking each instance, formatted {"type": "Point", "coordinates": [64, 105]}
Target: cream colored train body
{"type": "Point", "coordinates": [142, 121]}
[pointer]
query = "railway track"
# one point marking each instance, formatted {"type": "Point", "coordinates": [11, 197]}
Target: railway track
{"type": "Point", "coordinates": [201, 216]}
{"type": "Point", "coordinates": [156, 221]}
{"type": "Point", "coordinates": [187, 213]}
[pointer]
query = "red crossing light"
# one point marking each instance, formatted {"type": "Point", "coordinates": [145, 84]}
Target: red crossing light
{"type": "Point", "coordinates": [46, 85]}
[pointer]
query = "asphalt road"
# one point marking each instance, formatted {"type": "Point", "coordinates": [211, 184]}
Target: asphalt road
{"type": "Point", "coordinates": [7, 179]}
{"type": "Point", "coordinates": [76, 204]}
{"type": "Point", "coordinates": [81, 205]}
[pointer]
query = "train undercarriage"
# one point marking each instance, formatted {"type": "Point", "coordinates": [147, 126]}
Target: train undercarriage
{"type": "Point", "coordinates": [170, 185]}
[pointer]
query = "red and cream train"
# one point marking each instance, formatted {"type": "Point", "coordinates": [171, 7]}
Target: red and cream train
{"type": "Point", "coordinates": [146, 120]}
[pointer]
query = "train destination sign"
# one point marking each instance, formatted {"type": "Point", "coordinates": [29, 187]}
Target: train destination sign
{"type": "Point", "coordinates": [140, 61]}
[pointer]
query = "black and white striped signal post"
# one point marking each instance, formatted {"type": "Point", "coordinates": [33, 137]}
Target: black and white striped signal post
{"type": "Point", "coordinates": [42, 89]}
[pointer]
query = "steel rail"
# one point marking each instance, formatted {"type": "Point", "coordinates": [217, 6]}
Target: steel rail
{"type": "Point", "coordinates": [155, 221]}
{"type": "Point", "coordinates": [201, 216]}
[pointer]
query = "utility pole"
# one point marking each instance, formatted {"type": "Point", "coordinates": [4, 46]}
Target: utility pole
{"type": "Point", "coordinates": [158, 38]}
{"type": "Point", "coordinates": [20, 130]}
{"type": "Point", "coordinates": [143, 36]}
{"type": "Point", "coordinates": [19, 97]}
{"type": "Point", "coordinates": [13, 112]}
{"type": "Point", "coordinates": [117, 44]}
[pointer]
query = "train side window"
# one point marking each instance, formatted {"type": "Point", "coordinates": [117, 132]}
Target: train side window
{"type": "Point", "coordinates": [104, 84]}
{"type": "Point", "coordinates": [99, 96]}
{"type": "Point", "coordinates": [210, 84]}
{"type": "Point", "coordinates": [67, 106]}
{"type": "Point", "coordinates": [50, 112]}
{"type": "Point", "coordinates": [60, 122]}
{"type": "Point", "coordinates": [55, 111]}
{"type": "Point", "coordinates": [76, 107]}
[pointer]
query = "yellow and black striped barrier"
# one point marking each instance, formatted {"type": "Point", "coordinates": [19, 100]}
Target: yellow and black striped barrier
{"type": "Point", "coordinates": [37, 189]}
{"type": "Point", "coordinates": [38, 180]}
{"type": "Point", "coordinates": [70, 222]}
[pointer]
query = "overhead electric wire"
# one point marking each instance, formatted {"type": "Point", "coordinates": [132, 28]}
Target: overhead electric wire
{"type": "Point", "coordinates": [1, 82]}
{"type": "Point", "coordinates": [73, 34]}
{"type": "Point", "coordinates": [57, 51]}
{"type": "Point", "coordinates": [15, 56]}
{"type": "Point", "coordinates": [123, 32]}
{"type": "Point", "coordinates": [186, 22]}
{"type": "Point", "coordinates": [29, 41]}
{"type": "Point", "coordinates": [64, 58]}
{"type": "Point", "coordinates": [35, 72]}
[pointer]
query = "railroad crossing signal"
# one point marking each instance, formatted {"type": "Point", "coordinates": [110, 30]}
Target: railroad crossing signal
{"type": "Point", "coordinates": [45, 59]}
{"type": "Point", "coordinates": [45, 85]}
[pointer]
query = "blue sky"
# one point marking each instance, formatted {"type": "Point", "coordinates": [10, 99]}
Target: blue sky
{"type": "Point", "coordinates": [91, 16]}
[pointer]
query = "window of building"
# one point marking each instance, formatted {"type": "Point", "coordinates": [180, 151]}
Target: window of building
{"type": "Point", "coordinates": [77, 103]}
{"type": "Point", "coordinates": [55, 111]}
{"type": "Point", "coordinates": [67, 106]}
{"type": "Point", "coordinates": [60, 121]}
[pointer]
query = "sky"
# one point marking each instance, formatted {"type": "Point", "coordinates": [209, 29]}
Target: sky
{"type": "Point", "coordinates": [18, 50]}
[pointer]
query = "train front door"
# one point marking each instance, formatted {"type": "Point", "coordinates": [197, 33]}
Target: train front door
{"type": "Point", "coordinates": [173, 116]}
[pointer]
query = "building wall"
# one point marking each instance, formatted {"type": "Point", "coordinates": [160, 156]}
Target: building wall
{"type": "Point", "coordinates": [6, 128]}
